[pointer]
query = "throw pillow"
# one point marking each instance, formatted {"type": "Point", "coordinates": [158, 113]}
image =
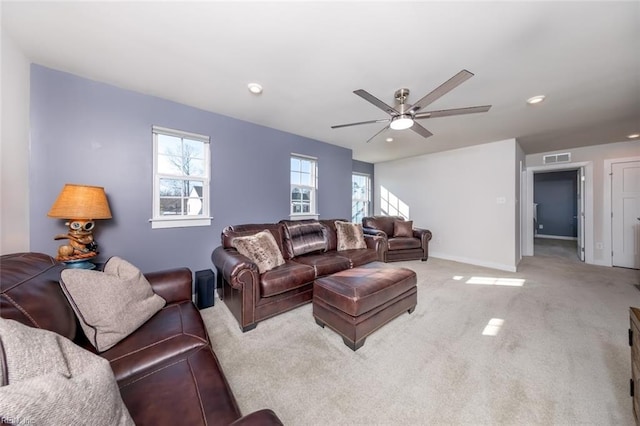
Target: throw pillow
{"type": "Point", "coordinates": [350, 236]}
{"type": "Point", "coordinates": [403, 228]}
{"type": "Point", "coordinates": [111, 304]}
{"type": "Point", "coordinates": [49, 380]}
{"type": "Point", "coordinates": [261, 248]}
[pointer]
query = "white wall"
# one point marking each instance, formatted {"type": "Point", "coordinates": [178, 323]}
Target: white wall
{"type": "Point", "coordinates": [14, 149]}
{"type": "Point", "coordinates": [601, 212]}
{"type": "Point", "coordinates": [457, 195]}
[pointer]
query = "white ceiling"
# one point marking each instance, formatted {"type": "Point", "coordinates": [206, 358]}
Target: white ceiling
{"type": "Point", "coordinates": [311, 56]}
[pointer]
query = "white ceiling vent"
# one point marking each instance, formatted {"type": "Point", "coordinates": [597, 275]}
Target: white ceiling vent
{"type": "Point", "coordinates": [556, 158]}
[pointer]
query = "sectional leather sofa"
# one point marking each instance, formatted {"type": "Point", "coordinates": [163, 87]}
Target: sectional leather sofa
{"type": "Point", "coordinates": [253, 297]}
{"type": "Point", "coordinates": [166, 370]}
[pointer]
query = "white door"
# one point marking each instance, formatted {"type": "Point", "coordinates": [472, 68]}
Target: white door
{"type": "Point", "coordinates": [580, 213]}
{"type": "Point", "coordinates": [625, 214]}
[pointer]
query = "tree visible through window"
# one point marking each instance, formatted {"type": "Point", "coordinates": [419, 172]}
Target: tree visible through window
{"type": "Point", "coordinates": [181, 178]}
{"type": "Point", "coordinates": [360, 196]}
{"type": "Point", "coordinates": [303, 185]}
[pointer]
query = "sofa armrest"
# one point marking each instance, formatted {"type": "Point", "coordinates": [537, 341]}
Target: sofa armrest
{"type": "Point", "coordinates": [424, 234]}
{"type": "Point", "coordinates": [173, 285]}
{"type": "Point", "coordinates": [230, 264]}
{"type": "Point", "coordinates": [259, 418]}
{"type": "Point", "coordinates": [373, 231]}
{"type": "Point", "coordinates": [378, 243]}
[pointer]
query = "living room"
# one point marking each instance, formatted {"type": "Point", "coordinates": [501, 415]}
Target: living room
{"type": "Point", "coordinates": [63, 124]}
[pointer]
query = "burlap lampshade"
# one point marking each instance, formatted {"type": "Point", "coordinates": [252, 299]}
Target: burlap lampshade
{"type": "Point", "coordinates": [81, 202]}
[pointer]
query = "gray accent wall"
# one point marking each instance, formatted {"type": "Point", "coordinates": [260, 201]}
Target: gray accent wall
{"type": "Point", "coordinates": [556, 196]}
{"type": "Point", "coordinates": [93, 133]}
{"type": "Point", "coordinates": [364, 168]}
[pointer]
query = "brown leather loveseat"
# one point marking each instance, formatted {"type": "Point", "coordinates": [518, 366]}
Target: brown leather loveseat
{"type": "Point", "coordinates": [402, 240]}
{"type": "Point", "coordinates": [166, 370]}
{"type": "Point", "coordinates": [309, 249]}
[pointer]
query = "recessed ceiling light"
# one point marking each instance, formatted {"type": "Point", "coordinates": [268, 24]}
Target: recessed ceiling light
{"type": "Point", "coordinates": [255, 88]}
{"type": "Point", "coordinates": [535, 99]}
{"type": "Point", "coordinates": [634, 136]}
{"type": "Point", "coordinates": [389, 139]}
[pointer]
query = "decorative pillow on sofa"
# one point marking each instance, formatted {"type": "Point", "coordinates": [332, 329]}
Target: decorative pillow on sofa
{"type": "Point", "coordinates": [261, 248]}
{"type": "Point", "coordinates": [48, 380]}
{"type": "Point", "coordinates": [111, 304]}
{"type": "Point", "coordinates": [403, 228]}
{"type": "Point", "coordinates": [350, 236]}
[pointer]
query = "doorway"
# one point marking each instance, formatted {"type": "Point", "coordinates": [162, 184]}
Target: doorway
{"type": "Point", "coordinates": [559, 213]}
{"type": "Point", "coordinates": [583, 199]}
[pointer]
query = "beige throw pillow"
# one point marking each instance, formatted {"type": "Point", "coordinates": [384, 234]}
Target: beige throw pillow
{"type": "Point", "coordinates": [51, 381]}
{"type": "Point", "coordinates": [350, 236]}
{"type": "Point", "coordinates": [110, 304]}
{"type": "Point", "coordinates": [261, 248]}
{"type": "Point", "coordinates": [403, 228]}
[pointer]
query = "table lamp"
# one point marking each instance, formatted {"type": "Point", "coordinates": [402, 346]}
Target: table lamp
{"type": "Point", "coordinates": [80, 205]}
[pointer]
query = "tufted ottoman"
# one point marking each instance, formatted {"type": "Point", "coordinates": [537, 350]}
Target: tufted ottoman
{"type": "Point", "coordinates": [356, 302]}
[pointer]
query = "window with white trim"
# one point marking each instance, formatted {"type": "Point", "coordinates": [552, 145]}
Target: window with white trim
{"type": "Point", "coordinates": [181, 178]}
{"type": "Point", "coordinates": [360, 196]}
{"type": "Point", "coordinates": [304, 186]}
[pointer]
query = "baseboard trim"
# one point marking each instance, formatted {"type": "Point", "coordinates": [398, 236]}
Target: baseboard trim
{"type": "Point", "coordinates": [477, 262]}
{"type": "Point", "coordinates": [555, 237]}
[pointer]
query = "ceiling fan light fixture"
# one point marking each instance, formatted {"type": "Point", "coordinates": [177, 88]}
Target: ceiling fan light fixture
{"type": "Point", "coordinates": [401, 122]}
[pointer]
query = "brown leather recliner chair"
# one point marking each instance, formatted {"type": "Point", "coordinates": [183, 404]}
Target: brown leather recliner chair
{"type": "Point", "coordinates": [403, 241]}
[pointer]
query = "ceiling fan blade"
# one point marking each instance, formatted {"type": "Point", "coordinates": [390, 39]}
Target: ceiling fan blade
{"type": "Point", "coordinates": [375, 101]}
{"type": "Point", "coordinates": [441, 90]}
{"type": "Point", "coordinates": [421, 130]}
{"type": "Point", "coordinates": [374, 136]}
{"type": "Point", "coordinates": [382, 120]}
{"type": "Point", "coordinates": [453, 111]}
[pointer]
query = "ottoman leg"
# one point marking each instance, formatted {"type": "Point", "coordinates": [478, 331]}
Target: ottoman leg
{"type": "Point", "coordinates": [411, 310]}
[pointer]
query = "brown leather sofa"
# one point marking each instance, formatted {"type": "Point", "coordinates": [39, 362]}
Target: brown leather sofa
{"type": "Point", "coordinates": [397, 248]}
{"type": "Point", "coordinates": [166, 370]}
{"type": "Point", "coordinates": [253, 297]}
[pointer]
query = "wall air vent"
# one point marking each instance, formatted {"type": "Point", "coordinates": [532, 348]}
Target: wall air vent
{"type": "Point", "coordinates": [557, 158]}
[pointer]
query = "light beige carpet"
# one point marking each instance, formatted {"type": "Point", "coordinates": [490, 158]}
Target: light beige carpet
{"type": "Point", "coordinates": [554, 351]}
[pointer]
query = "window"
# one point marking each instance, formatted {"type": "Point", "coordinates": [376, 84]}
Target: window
{"type": "Point", "coordinates": [304, 185]}
{"type": "Point", "coordinates": [360, 196]}
{"type": "Point", "coordinates": [181, 170]}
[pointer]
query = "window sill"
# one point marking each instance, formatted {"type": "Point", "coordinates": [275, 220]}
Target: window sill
{"type": "Point", "coordinates": [304, 216]}
{"type": "Point", "coordinates": [181, 222]}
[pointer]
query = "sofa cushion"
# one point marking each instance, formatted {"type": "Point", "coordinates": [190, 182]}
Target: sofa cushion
{"type": "Point", "coordinates": [325, 263]}
{"type": "Point", "coordinates": [304, 236]}
{"type": "Point", "coordinates": [382, 223]}
{"type": "Point", "coordinates": [332, 237]}
{"type": "Point", "coordinates": [110, 304]}
{"type": "Point", "coordinates": [404, 243]}
{"type": "Point", "coordinates": [175, 330]}
{"type": "Point", "coordinates": [231, 232]}
{"type": "Point", "coordinates": [403, 228]}
{"type": "Point", "coordinates": [350, 236]}
{"type": "Point", "coordinates": [287, 277]}
{"type": "Point", "coordinates": [50, 380]}
{"type": "Point", "coordinates": [359, 257]}
{"type": "Point", "coordinates": [261, 248]}
{"type": "Point", "coordinates": [194, 379]}
{"type": "Point", "coordinates": [30, 293]}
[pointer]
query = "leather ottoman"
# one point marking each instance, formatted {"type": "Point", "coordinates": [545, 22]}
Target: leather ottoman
{"type": "Point", "coordinates": [356, 302]}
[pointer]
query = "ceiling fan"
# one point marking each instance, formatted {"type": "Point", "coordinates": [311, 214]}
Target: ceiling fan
{"type": "Point", "coordinates": [403, 116]}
